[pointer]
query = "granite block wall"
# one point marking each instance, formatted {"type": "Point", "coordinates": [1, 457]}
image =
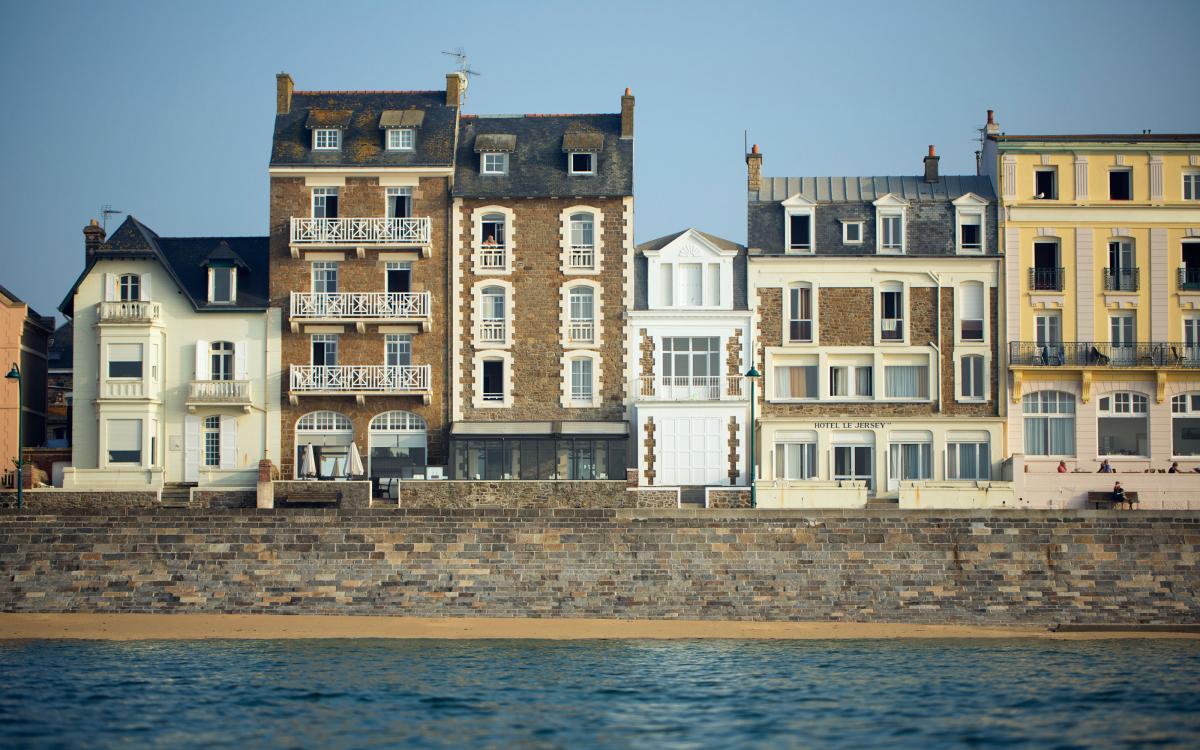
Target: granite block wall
{"type": "Point", "coordinates": [1016, 567]}
{"type": "Point", "coordinates": [525, 494]}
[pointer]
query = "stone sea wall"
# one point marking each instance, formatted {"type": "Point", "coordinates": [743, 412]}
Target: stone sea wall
{"type": "Point", "coordinates": [1015, 567]}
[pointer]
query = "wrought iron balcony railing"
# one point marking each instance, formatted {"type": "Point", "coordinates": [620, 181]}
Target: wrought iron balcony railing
{"type": "Point", "coordinates": [1189, 279]}
{"type": "Point", "coordinates": [360, 378]}
{"type": "Point", "coordinates": [688, 388]}
{"type": "Point", "coordinates": [1161, 354]}
{"type": "Point", "coordinates": [1120, 279]}
{"type": "Point", "coordinates": [1046, 279]}
{"type": "Point", "coordinates": [360, 305]}
{"type": "Point", "coordinates": [360, 231]}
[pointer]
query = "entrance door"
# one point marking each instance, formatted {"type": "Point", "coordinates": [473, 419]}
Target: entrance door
{"type": "Point", "coordinates": [689, 450]}
{"type": "Point", "coordinates": [854, 462]}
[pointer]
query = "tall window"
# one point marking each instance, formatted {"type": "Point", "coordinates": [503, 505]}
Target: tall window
{"type": "Point", "coordinates": [212, 441]}
{"type": "Point", "coordinates": [325, 277]}
{"type": "Point", "coordinates": [1124, 425]}
{"type": "Point", "coordinates": [970, 232]}
{"type": "Point", "coordinates": [491, 309]}
{"type": "Point", "coordinates": [910, 461]}
{"type": "Point", "coordinates": [221, 283]}
{"type": "Point", "coordinates": [1120, 185]}
{"type": "Point", "coordinates": [124, 441]}
{"type": "Point", "coordinates": [1047, 271]}
{"type": "Point", "coordinates": [324, 349]}
{"type": "Point", "coordinates": [800, 235]}
{"type": "Point", "coordinates": [492, 240]}
{"type": "Point", "coordinates": [493, 380]}
{"type": "Point", "coordinates": [220, 356]}
{"type": "Point", "coordinates": [891, 313]}
{"type": "Point", "coordinates": [400, 139]}
{"type": "Point", "coordinates": [1191, 340]}
{"type": "Point", "coordinates": [397, 350]}
{"type": "Point", "coordinates": [1191, 186]}
{"type": "Point", "coordinates": [692, 280]}
{"type": "Point", "coordinates": [583, 241]}
{"type": "Point", "coordinates": [1185, 424]}
{"type": "Point", "coordinates": [327, 139]}
{"type": "Point", "coordinates": [800, 319]}
{"type": "Point", "coordinates": [666, 273]}
{"type": "Point", "coordinates": [582, 325]}
{"type": "Point", "coordinates": [1121, 274]}
{"type": "Point", "coordinates": [1049, 423]}
{"type": "Point", "coordinates": [973, 378]}
{"type": "Point", "coordinates": [399, 202]}
{"type": "Point", "coordinates": [325, 202]}
{"type": "Point", "coordinates": [581, 379]}
{"type": "Point", "coordinates": [129, 287]}
{"type": "Point", "coordinates": [796, 381]}
{"type": "Point", "coordinates": [891, 232]}
{"type": "Point", "coordinates": [1045, 183]}
{"type": "Point", "coordinates": [971, 461]}
{"type": "Point", "coordinates": [906, 381]}
{"type": "Point", "coordinates": [795, 460]}
{"type": "Point", "coordinates": [1123, 336]}
{"type": "Point", "coordinates": [124, 360]}
{"type": "Point", "coordinates": [971, 318]}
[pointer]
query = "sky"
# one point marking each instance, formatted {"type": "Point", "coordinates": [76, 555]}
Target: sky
{"type": "Point", "coordinates": [165, 109]}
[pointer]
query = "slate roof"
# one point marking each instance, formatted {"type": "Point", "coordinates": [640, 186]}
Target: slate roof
{"type": "Point", "coordinates": [61, 353]}
{"type": "Point", "coordinates": [538, 166]}
{"type": "Point", "coordinates": [853, 189]}
{"type": "Point", "coordinates": [363, 139]}
{"type": "Point", "coordinates": [184, 259]}
{"type": "Point", "coordinates": [641, 268]}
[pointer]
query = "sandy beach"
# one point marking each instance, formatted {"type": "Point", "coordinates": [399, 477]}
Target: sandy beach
{"type": "Point", "coordinates": [124, 627]}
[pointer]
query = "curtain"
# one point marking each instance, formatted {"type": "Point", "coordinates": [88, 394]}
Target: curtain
{"type": "Point", "coordinates": [1062, 436]}
{"type": "Point", "coordinates": [863, 377]}
{"type": "Point", "coordinates": [907, 381]}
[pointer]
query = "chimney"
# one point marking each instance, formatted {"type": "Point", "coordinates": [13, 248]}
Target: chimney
{"type": "Point", "coordinates": [283, 93]}
{"type": "Point", "coordinates": [754, 169]}
{"type": "Point", "coordinates": [931, 165]}
{"type": "Point", "coordinates": [93, 238]}
{"type": "Point", "coordinates": [992, 128]}
{"type": "Point", "coordinates": [456, 88]}
{"type": "Point", "coordinates": [627, 115]}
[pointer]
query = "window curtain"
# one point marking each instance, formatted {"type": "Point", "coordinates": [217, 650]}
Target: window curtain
{"type": "Point", "coordinates": [796, 382]}
{"type": "Point", "coordinates": [863, 377]}
{"type": "Point", "coordinates": [907, 381]}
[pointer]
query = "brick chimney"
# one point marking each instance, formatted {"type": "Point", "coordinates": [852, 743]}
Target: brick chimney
{"type": "Point", "coordinates": [992, 127]}
{"type": "Point", "coordinates": [754, 169]}
{"type": "Point", "coordinates": [931, 165]}
{"type": "Point", "coordinates": [283, 93]}
{"type": "Point", "coordinates": [627, 115]}
{"type": "Point", "coordinates": [93, 238]}
{"type": "Point", "coordinates": [456, 88]}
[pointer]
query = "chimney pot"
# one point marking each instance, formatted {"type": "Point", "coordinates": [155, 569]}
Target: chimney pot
{"type": "Point", "coordinates": [627, 91]}
{"type": "Point", "coordinates": [754, 149]}
{"type": "Point", "coordinates": [931, 150]}
{"type": "Point", "coordinates": [991, 128]}
{"type": "Point", "coordinates": [627, 115]}
{"type": "Point", "coordinates": [283, 93]}
{"type": "Point", "coordinates": [991, 116]}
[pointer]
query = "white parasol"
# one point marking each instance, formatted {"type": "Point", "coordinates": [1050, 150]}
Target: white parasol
{"type": "Point", "coordinates": [307, 462]}
{"type": "Point", "coordinates": [355, 466]}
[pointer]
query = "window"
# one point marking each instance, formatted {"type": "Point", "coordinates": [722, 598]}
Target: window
{"type": "Point", "coordinates": [1123, 424]}
{"type": "Point", "coordinates": [852, 232]}
{"type": "Point", "coordinates": [531, 458]}
{"type": "Point", "coordinates": [129, 287]}
{"type": "Point", "coordinates": [906, 381]}
{"type": "Point", "coordinates": [973, 379]}
{"type": "Point", "coordinates": [970, 232]}
{"type": "Point", "coordinates": [324, 349]}
{"type": "Point", "coordinates": [492, 238]}
{"type": "Point", "coordinates": [124, 441]}
{"type": "Point", "coordinates": [1120, 185]}
{"type": "Point", "coordinates": [796, 381]}
{"type": "Point", "coordinates": [1049, 423]}
{"type": "Point", "coordinates": [325, 277]}
{"type": "Point", "coordinates": [582, 162]}
{"type": "Point", "coordinates": [892, 233]}
{"type": "Point", "coordinates": [1191, 186]}
{"type": "Point", "coordinates": [493, 163]}
{"type": "Point", "coordinates": [795, 460]}
{"type": "Point", "coordinates": [583, 241]}
{"type": "Point", "coordinates": [1047, 273]}
{"type": "Point", "coordinates": [325, 203]}
{"type": "Point", "coordinates": [969, 461]}
{"type": "Point", "coordinates": [667, 273]}
{"type": "Point", "coordinates": [222, 283]}
{"type": "Point", "coordinates": [493, 380]}
{"type": "Point", "coordinates": [1122, 335]}
{"type": "Point", "coordinates": [891, 314]}
{"type": "Point", "coordinates": [690, 360]}
{"type": "Point", "coordinates": [327, 139]}
{"type": "Point", "coordinates": [800, 319]}
{"type": "Point", "coordinates": [491, 314]}
{"type": "Point", "coordinates": [220, 357]}
{"type": "Point", "coordinates": [1048, 328]}
{"type": "Point", "coordinates": [692, 280]}
{"type": "Point", "coordinates": [400, 139]}
{"type": "Point", "coordinates": [801, 233]}
{"type": "Point", "coordinates": [397, 350]}
{"type": "Point", "coordinates": [1045, 183]}
{"type": "Point", "coordinates": [910, 461]}
{"type": "Point", "coordinates": [1185, 424]}
{"type": "Point", "coordinates": [1121, 274]}
{"type": "Point", "coordinates": [581, 380]}
{"type": "Point", "coordinates": [124, 360]}
{"type": "Point", "coordinates": [324, 421]}
{"type": "Point", "coordinates": [212, 441]}
{"type": "Point", "coordinates": [582, 325]}
{"type": "Point", "coordinates": [398, 279]}
{"type": "Point", "coordinates": [851, 381]}
{"type": "Point", "coordinates": [399, 202]}
{"type": "Point", "coordinates": [971, 321]}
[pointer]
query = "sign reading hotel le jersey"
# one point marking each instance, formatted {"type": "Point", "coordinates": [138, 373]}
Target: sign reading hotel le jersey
{"type": "Point", "coordinates": [848, 425]}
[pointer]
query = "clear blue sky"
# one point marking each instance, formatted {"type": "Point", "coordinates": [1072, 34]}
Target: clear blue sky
{"type": "Point", "coordinates": [164, 109]}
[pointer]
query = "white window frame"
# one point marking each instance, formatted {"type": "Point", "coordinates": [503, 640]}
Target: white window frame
{"type": "Point", "coordinates": [814, 309]}
{"type": "Point", "coordinates": [1192, 176]}
{"type": "Point", "coordinates": [569, 251]}
{"type": "Point", "coordinates": [477, 237]}
{"type": "Point", "coordinates": [396, 192]}
{"type": "Point", "coordinates": [974, 208]}
{"type": "Point", "coordinates": [567, 399]}
{"type": "Point", "coordinates": [961, 393]}
{"type": "Point", "coordinates": [1184, 405]}
{"type": "Point", "coordinates": [1053, 170]}
{"type": "Point", "coordinates": [327, 139]}
{"type": "Point", "coordinates": [324, 338]}
{"type": "Point", "coordinates": [846, 232]}
{"type": "Point", "coordinates": [212, 285]}
{"type": "Point", "coordinates": [568, 321]}
{"type": "Point", "coordinates": [960, 307]}
{"type": "Point", "coordinates": [129, 287]}
{"type": "Point", "coordinates": [323, 268]}
{"type": "Point", "coordinates": [506, 401]}
{"type": "Point", "coordinates": [108, 425]}
{"type": "Point", "coordinates": [886, 208]}
{"type": "Point", "coordinates": [905, 308]}
{"type": "Point", "coordinates": [395, 345]}
{"type": "Point", "coordinates": [772, 379]}
{"type": "Point", "coordinates": [210, 428]}
{"type": "Point", "coordinates": [477, 296]}
{"type": "Point", "coordinates": [798, 205]}
{"type": "Point", "coordinates": [401, 139]}
{"type": "Point", "coordinates": [954, 456]}
{"type": "Point", "coordinates": [493, 163]}
{"type": "Point", "coordinates": [809, 461]}
{"type": "Point", "coordinates": [881, 387]}
{"type": "Point", "coordinates": [571, 162]}
{"type": "Point", "coordinates": [108, 360]}
{"type": "Point", "coordinates": [852, 377]}
{"type": "Point", "coordinates": [1123, 405]}
{"type": "Point", "coordinates": [1057, 413]}
{"type": "Point", "coordinates": [322, 193]}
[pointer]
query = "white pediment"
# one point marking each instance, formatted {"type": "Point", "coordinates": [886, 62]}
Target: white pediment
{"type": "Point", "coordinates": [690, 244]}
{"type": "Point", "coordinates": [969, 199]}
{"type": "Point", "coordinates": [798, 200]}
{"type": "Point", "coordinates": [890, 199]}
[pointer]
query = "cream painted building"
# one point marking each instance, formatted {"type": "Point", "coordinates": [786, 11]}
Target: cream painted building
{"type": "Point", "coordinates": [176, 361]}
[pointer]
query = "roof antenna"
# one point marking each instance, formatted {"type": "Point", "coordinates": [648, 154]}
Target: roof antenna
{"type": "Point", "coordinates": [105, 211]}
{"type": "Point", "coordinates": [461, 56]}
{"type": "Point", "coordinates": [745, 141]}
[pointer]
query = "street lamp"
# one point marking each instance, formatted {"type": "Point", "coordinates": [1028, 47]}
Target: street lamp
{"type": "Point", "coordinates": [15, 374]}
{"type": "Point", "coordinates": [753, 375]}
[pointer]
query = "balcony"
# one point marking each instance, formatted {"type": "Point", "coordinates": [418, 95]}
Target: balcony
{"type": "Point", "coordinates": [581, 258]}
{"type": "Point", "coordinates": [688, 388]}
{"type": "Point", "coordinates": [492, 331]}
{"type": "Point", "coordinates": [123, 389]}
{"type": "Point", "coordinates": [581, 332]}
{"type": "Point", "coordinates": [492, 258]}
{"type": "Point", "coordinates": [360, 307]}
{"type": "Point", "coordinates": [1045, 279]}
{"type": "Point", "coordinates": [131, 312]}
{"type": "Point", "coordinates": [1120, 279]}
{"type": "Point", "coordinates": [1189, 279]}
{"type": "Point", "coordinates": [218, 393]}
{"type": "Point", "coordinates": [361, 233]}
{"type": "Point", "coordinates": [1155, 355]}
{"type": "Point", "coordinates": [360, 380]}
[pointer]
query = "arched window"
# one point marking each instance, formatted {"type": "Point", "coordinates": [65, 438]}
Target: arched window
{"type": "Point", "coordinates": [129, 287]}
{"type": "Point", "coordinates": [397, 445]}
{"type": "Point", "coordinates": [324, 421]}
{"type": "Point", "coordinates": [397, 421]}
{"type": "Point", "coordinates": [491, 314]}
{"type": "Point", "coordinates": [220, 355]}
{"type": "Point", "coordinates": [323, 441]}
{"type": "Point", "coordinates": [1185, 424]}
{"type": "Point", "coordinates": [1123, 424]}
{"type": "Point", "coordinates": [1049, 423]}
{"type": "Point", "coordinates": [583, 241]}
{"type": "Point", "coordinates": [582, 311]}
{"type": "Point", "coordinates": [491, 230]}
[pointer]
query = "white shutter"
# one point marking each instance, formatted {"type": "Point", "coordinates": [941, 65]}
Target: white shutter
{"type": "Point", "coordinates": [239, 361]}
{"type": "Point", "coordinates": [191, 448]}
{"type": "Point", "coordinates": [110, 287]}
{"type": "Point", "coordinates": [144, 288]}
{"type": "Point", "coordinates": [228, 441]}
{"type": "Point", "coordinates": [202, 363]}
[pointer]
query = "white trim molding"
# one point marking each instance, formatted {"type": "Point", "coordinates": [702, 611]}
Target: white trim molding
{"type": "Point", "coordinates": [477, 332]}
{"type": "Point", "coordinates": [581, 342]}
{"type": "Point", "coordinates": [477, 393]}
{"type": "Point", "coordinates": [567, 249]}
{"type": "Point", "coordinates": [887, 207]}
{"type": "Point", "coordinates": [510, 241]}
{"type": "Point", "coordinates": [971, 206]}
{"type": "Point", "coordinates": [567, 358]}
{"type": "Point", "coordinates": [798, 205]}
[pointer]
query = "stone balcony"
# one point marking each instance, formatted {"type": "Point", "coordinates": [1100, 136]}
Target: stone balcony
{"type": "Point", "coordinates": [218, 393]}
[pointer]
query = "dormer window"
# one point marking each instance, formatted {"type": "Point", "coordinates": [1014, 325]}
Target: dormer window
{"type": "Point", "coordinates": [969, 223]}
{"type": "Point", "coordinates": [222, 284]}
{"type": "Point", "coordinates": [494, 164]}
{"type": "Point", "coordinates": [401, 139]}
{"type": "Point", "coordinates": [801, 234]}
{"type": "Point", "coordinates": [889, 222]}
{"type": "Point", "coordinates": [852, 232]}
{"type": "Point", "coordinates": [327, 139]}
{"type": "Point", "coordinates": [798, 233]}
{"type": "Point", "coordinates": [582, 162]}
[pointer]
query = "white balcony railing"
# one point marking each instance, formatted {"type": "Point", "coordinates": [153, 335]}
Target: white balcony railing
{"type": "Point", "coordinates": [491, 331]}
{"type": "Point", "coordinates": [360, 305]}
{"type": "Point", "coordinates": [129, 312]}
{"type": "Point", "coordinates": [360, 231]}
{"type": "Point", "coordinates": [492, 257]}
{"type": "Point", "coordinates": [688, 388]}
{"type": "Point", "coordinates": [219, 392]}
{"type": "Point", "coordinates": [124, 389]}
{"type": "Point", "coordinates": [581, 256]}
{"type": "Point", "coordinates": [581, 332]}
{"type": "Point", "coordinates": [361, 378]}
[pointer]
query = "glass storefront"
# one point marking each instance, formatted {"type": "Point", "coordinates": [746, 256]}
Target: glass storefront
{"type": "Point", "coordinates": [537, 458]}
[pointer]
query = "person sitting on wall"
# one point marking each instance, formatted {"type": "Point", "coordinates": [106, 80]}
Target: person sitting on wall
{"type": "Point", "coordinates": [1106, 468]}
{"type": "Point", "coordinates": [1062, 467]}
{"type": "Point", "coordinates": [1120, 497]}
{"type": "Point", "coordinates": [1174, 468]}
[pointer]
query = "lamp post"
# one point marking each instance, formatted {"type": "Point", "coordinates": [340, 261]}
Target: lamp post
{"type": "Point", "coordinates": [753, 375]}
{"type": "Point", "coordinates": [15, 374]}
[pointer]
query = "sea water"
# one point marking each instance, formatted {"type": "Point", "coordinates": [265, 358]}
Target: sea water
{"type": "Point", "coordinates": [618, 694]}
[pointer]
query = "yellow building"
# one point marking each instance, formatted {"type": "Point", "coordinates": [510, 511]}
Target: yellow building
{"type": "Point", "coordinates": [1101, 235]}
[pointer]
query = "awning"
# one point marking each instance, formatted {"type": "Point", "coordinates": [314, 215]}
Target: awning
{"type": "Point", "coordinates": [401, 118]}
{"type": "Point", "coordinates": [583, 142]}
{"type": "Point", "coordinates": [495, 142]}
{"type": "Point", "coordinates": [328, 118]}
{"type": "Point", "coordinates": [539, 429]}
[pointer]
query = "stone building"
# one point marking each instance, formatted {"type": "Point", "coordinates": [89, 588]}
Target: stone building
{"type": "Point", "coordinates": [1102, 249]}
{"type": "Point", "coordinates": [59, 378]}
{"type": "Point", "coordinates": [360, 200]}
{"type": "Point", "coordinates": [542, 266]}
{"type": "Point", "coordinates": [691, 326]}
{"type": "Point", "coordinates": [875, 306]}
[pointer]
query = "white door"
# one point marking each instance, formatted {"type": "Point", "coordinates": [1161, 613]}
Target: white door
{"type": "Point", "coordinates": [690, 453]}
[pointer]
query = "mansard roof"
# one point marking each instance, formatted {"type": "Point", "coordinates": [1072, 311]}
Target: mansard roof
{"type": "Point", "coordinates": [858, 189]}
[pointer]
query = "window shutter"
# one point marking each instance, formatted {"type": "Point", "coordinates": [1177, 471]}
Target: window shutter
{"type": "Point", "coordinates": [110, 287]}
{"type": "Point", "coordinates": [972, 296]}
{"type": "Point", "coordinates": [239, 361]}
{"type": "Point", "coordinates": [203, 372]}
{"type": "Point", "coordinates": [228, 441]}
{"type": "Point", "coordinates": [191, 448]}
{"type": "Point", "coordinates": [144, 288]}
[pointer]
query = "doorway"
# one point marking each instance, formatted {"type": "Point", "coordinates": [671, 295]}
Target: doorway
{"type": "Point", "coordinates": [856, 463]}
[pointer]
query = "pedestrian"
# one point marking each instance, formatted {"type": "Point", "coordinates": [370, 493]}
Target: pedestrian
{"type": "Point", "coordinates": [1062, 467]}
{"type": "Point", "coordinates": [1174, 468]}
{"type": "Point", "coordinates": [1106, 468]}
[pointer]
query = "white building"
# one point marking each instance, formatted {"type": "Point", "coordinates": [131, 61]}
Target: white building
{"type": "Point", "coordinates": [177, 361]}
{"type": "Point", "coordinates": [691, 342]}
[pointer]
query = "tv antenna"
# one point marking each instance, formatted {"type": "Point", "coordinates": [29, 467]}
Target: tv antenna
{"type": "Point", "coordinates": [463, 66]}
{"type": "Point", "coordinates": [106, 211]}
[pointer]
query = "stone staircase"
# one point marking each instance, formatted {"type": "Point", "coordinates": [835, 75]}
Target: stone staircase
{"type": "Point", "coordinates": [176, 494]}
{"type": "Point", "coordinates": [883, 503]}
